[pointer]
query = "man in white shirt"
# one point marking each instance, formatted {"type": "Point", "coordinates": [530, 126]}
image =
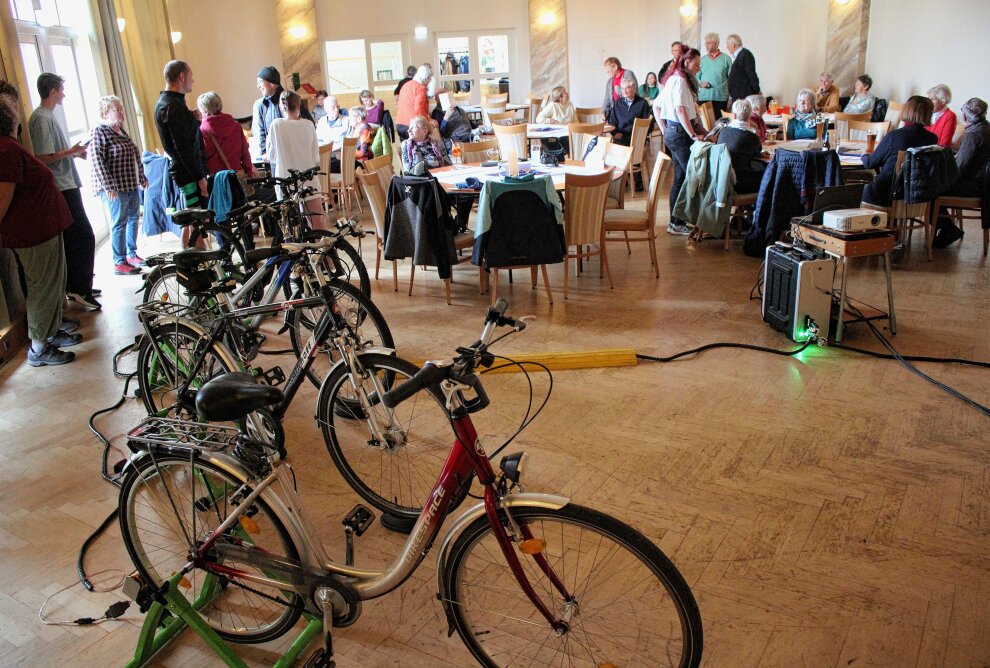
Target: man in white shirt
{"type": "Point", "coordinates": [333, 127]}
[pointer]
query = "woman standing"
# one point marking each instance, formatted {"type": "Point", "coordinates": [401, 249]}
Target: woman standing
{"type": "Point", "coordinates": [224, 140]}
{"type": "Point", "coordinates": [413, 100]}
{"type": "Point", "coordinates": [292, 145]}
{"type": "Point", "coordinates": [678, 119]}
{"type": "Point", "coordinates": [117, 174]}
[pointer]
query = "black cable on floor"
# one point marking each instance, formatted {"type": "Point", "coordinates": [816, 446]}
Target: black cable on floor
{"type": "Point", "coordinates": [727, 344]}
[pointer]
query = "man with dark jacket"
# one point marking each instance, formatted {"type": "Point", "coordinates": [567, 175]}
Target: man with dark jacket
{"type": "Point", "coordinates": [624, 111]}
{"type": "Point", "coordinates": [178, 130]}
{"type": "Point", "coordinates": [266, 109]}
{"type": "Point", "coordinates": [742, 76]}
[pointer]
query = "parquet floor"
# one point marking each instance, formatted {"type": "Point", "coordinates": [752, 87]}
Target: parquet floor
{"type": "Point", "coordinates": [827, 509]}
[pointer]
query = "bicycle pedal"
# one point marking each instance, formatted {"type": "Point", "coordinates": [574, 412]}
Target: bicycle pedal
{"type": "Point", "coordinates": [359, 519]}
{"type": "Point", "coordinates": [319, 659]}
{"type": "Point", "coordinates": [274, 376]}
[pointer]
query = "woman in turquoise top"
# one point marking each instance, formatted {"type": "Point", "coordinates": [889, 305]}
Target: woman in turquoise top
{"type": "Point", "coordinates": [863, 100]}
{"type": "Point", "coordinates": [802, 125]}
{"type": "Point", "coordinates": [713, 82]}
{"type": "Point", "coordinates": [650, 90]}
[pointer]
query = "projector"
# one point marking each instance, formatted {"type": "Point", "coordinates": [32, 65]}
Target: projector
{"type": "Point", "coordinates": [854, 220]}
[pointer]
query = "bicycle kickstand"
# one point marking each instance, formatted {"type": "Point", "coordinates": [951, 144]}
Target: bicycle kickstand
{"type": "Point", "coordinates": [323, 657]}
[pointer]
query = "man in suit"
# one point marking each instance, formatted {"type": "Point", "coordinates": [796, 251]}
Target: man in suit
{"type": "Point", "coordinates": [742, 77]}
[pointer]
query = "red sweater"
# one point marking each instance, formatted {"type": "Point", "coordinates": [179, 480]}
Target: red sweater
{"type": "Point", "coordinates": [230, 136]}
{"type": "Point", "coordinates": [944, 127]}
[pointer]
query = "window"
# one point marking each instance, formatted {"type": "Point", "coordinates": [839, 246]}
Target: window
{"type": "Point", "coordinates": [478, 62]}
{"type": "Point", "coordinates": [356, 64]}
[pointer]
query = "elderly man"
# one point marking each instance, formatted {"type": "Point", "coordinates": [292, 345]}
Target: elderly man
{"type": "Point", "coordinates": [624, 111]}
{"type": "Point", "coordinates": [675, 51]}
{"type": "Point", "coordinates": [713, 82]}
{"type": "Point", "coordinates": [743, 80]}
{"type": "Point", "coordinates": [331, 129]}
{"type": "Point", "coordinates": [827, 95]}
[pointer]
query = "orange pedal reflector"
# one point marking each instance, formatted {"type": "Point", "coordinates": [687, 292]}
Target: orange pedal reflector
{"type": "Point", "coordinates": [185, 583]}
{"type": "Point", "coordinates": [248, 524]}
{"type": "Point", "coordinates": [532, 546]}
{"type": "Point", "coordinates": [607, 665]}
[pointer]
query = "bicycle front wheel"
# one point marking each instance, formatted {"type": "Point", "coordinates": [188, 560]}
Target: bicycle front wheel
{"type": "Point", "coordinates": [344, 262]}
{"type": "Point", "coordinates": [629, 605]}
{"type": "Point", "coordinates": [170, 503]}
{"type": "Point", "coordinates": [391, 458]}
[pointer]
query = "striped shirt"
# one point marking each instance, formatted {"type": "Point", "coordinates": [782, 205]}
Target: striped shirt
{"type": "Point", "coordinates": [114, 160]}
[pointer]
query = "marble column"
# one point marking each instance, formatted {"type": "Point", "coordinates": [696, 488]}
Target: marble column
{"type": "Point", "coordinates": [297, 36]}
{"type": "Point", "coordinates": [845, 51]}
{"type": "Point", "coordinates": [691, 24]}
{"type": "Point", "coordinates": [547, 45]}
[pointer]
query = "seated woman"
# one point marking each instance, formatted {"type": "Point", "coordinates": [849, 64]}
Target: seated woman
{"type": "Point", "coordinates": [292, 145]}
{"type": "Point", "coordinates": [744, 147]}
{"type": "Point", "coordinates": [943, 120]}
{"type": "Point", "coordinates": [972, 159]}
{"type": "Point", "coordinates": [421, 153]}
{"type": "Point", "coordinates": [650, 90]}
{"type": "Point", "coordinates": [374, 109]}
{"type": "Point", "coordinates": [360, 128]}
{"type": "Point", "coordinates": [915, 115]}
{"type": "Point", "coordinates": [863, 101]}
{"type": "Point", "coordinates": [759, 104]}
{"type": "Point", "coordinates": [559, 110]}
{"type": "Point", "coordinates": [802, 126]}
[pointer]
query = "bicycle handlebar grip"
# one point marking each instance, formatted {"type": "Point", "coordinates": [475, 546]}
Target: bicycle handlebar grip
{"type": "Point", "coordinates": [428, 376]}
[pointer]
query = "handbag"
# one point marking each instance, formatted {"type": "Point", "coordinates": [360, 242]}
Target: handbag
{"type": "Point", "coordinates": [552, 153]}
{"type": "Point", "coordinates": [241, 176]}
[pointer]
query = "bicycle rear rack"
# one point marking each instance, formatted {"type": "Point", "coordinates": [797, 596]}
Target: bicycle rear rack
{"type": "Point", "coordinates": [182, 435]}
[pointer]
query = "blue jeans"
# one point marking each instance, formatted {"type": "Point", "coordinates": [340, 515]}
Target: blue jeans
{"type": "Point", "coordinates": [678, 142]}
{"type": "Point", "coordinates": [124, 214]}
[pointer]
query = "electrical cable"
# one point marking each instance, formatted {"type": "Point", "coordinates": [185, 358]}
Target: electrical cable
{"type": "Point", "coordinates": [727, 344]}
{"type": "Point", "coordinates": [115, 610]}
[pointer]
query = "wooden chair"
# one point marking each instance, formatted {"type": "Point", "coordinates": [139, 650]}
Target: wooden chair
{"type": "Point", "coordinates": [905, 218]}
{"type": "Point", "coordinates": [619, 157]}
{"type": "Point", "coordinates": [477, 151]}
{"type": "Point", "coordinates": [488, 109]}
{"type": "Point", "coordinates": [504, 118]}
{"type": "Point", "coordinates": [588, 115]}
{"type": "Point", "coordinates": [860, 128]}
{"type": "Point", "coordinates": [637, 165]}
{"type": "Point", "coordinates": [819, 129]}
{"type": "Point", "coordinates": [462, 98]}
{"type": "Point", "coordinates": [842, 123]}
{"type": "Point", "coordinates": [706, 113]}
{"type": "Point", "coordinates": [495, 100]}
{"type": "Point", "coordinates": [728, 114]}
{"type": "Point", "coordinates": [580, 134]}
{"type": "Point", "coordinates": [535, 104]}
{"type": "Point", "coordinates": [383, 164]}
{"type": "Point", "coordinates": [512, 138]}
{"type": "Point", "coordinates": [893, 115]}
{"type": "Point", "coordinates": [343, 184]}
{"type": "Point", "coordinates": [583, 221]}
{"type": "Point", "coordinates": [631, 220]}
{"type": "Point", "coordinates": [739, 202]}
{"type": "Point", "coordinates": [956, 208]}
{"type": "Point", "coordinates": [374, 189]}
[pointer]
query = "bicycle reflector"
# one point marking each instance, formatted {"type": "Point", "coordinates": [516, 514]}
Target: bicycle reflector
{"type": "Point", "coordinates": [512, 466]}
{"type": "Point", "coordinates": [532, 546]}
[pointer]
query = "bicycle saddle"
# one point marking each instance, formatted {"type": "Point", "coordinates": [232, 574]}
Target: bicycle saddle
{"type": "Point", "coordinates": [193, 257]}
{"type": "Point", "coordinates": [190, 216]}
{"type": "Point", "coordinates": [232, 396]}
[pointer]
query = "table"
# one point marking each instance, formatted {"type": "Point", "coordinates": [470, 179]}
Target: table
{"type": "Point", "coordinates": [546, 131]}
{"type": "Point", "coordinates": [476, 108]}
{"type": "Point", "coordinates": [851, 156]}
{"type": "Point", "coordinates": [450, 176]}
{"type": "Point", "coordinates": [845, 245]}
{"type": "Point", "coordinates": [778, 119]}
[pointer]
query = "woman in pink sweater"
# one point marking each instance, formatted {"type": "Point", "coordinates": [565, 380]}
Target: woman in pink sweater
{"type": "Point", "coordinates": [943, 120]}
{"type": "Point", "coordinates": [224, 142]}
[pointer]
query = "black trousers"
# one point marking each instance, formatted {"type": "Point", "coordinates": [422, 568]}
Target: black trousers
{"type": "Point", "coordinates": [678, 142]}
{"type": "Point", "coordinates": [80, 246]}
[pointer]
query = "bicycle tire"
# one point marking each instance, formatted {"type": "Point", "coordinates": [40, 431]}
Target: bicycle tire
{"type": "Point", "coordinates": [348, 263]}
{"type": "Point", "coordinates": [162, 285]}
{"type": "Point", "coordinates": [159, 378]}
{"type": "Point", "coordinates": [501, 626]}
{"type": "Point", "coordinates": [395, 479]}
{"type": "Point", "coordinates": [154, 521]}
{"type": "Point", "coordinates": [362, 314]}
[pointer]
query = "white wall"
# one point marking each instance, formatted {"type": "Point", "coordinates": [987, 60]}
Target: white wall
{"type": "Point", "coordinates": [947, 45]}
{"type": "Point", "coordinates": [226, 42]}
{"type": "Point", "coordinates": [787, 37]}
{"type": "Point", "coordinates": [641, 42]}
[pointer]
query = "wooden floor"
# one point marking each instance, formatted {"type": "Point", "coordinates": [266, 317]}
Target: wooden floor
{"type": "Point", "coordinates": [826, 509]}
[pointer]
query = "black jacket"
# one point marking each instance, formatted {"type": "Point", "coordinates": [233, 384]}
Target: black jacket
{"type": "Point", "coordinates": [928, 172]}
{"type": "Point", "coordinates": [178, 130]}
{"type": "Point", "coordinates": [884, 160]}
{"type": "Point", "coordinates": [418, 223]}
{"type": "Point", "coordinates": [974, 151]}
{"type": "Point", "coordinates": [743, 80]}
{"type": "Point", "coordinates": [744, 150]}
{"type": "Point", "coordinates": [622, 116]}
{"type": "Point", "coordinates": [524, 231]}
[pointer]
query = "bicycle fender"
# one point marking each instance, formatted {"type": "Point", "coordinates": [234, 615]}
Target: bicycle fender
{"type": "Point", "coordinates": [380, 351]}
{"type": "Point", "coordinates": [521, 500]}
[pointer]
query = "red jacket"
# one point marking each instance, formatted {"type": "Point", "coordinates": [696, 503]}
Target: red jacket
{"type": "Point", "coordinates": [230, 136]}
{"type": "Point", "coordinates": [944, 127]}
{"type": "Point", "coordinates": [412, 102]}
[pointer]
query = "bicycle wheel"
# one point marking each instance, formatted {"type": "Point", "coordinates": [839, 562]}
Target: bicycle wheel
{"type": "Point", "coordinates": [166, 501]}
{"type": "Point", "coordinates": [396, 475]}
{"type": "Point", "coordinates": [344, 262]}
{"type": "Point", "coordinates": [359, 311]}
{"type": "Point", "coordinates": [166, 360]}
{"type": "Point", "coordinates": [630, 606]}
{"type": "Point", "coordinates": [162, 285]}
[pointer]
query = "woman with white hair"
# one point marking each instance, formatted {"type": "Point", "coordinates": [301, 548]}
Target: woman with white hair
{"type": "Point", "coordinates": [413, 100]}
{"type": "Point", "coordinates": [802, 125]}
{"type": "Point", "coordinates": [223, 138]}
{"type": "Point", "coordinates": [972, 159]}
{"type": "Point", "coordinates": [713, 82]}
{"type": "Point", "coordinates": [421, 153]}
{"type": "Point", "coordinates": [759, 104]}
{"type": "Point", "coordinates": [943, 120]}
{"type": "Point", "coordinates": [744, 147]}
{"type": "Point", "coordinates": [827, 95]}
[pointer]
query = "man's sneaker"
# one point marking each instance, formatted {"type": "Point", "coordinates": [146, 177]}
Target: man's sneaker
{"type": "Point", "coordinates": [136, 261]}
{"type": "Point", "coordinates": [69, 325]}
{"type": "Point", "coordinates": [96, 292]}
{"type": "Point", "coordinates": [49, 356]}
{"type": "Point", "coordinates": [86, 301]}
{"type": "Point", "coordinates": [63, 339]}
{"type": "Point", "coordinates": [126, 269]}
{"type": "Point", "coordinates": [678, 229]}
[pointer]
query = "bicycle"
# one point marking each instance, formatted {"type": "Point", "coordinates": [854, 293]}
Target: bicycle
{"type": "Point", "coordinates": [521, 576]}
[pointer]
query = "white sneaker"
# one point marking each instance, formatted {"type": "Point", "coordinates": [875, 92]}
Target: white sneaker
{"type": "Point", "coordinates": [678, 229]}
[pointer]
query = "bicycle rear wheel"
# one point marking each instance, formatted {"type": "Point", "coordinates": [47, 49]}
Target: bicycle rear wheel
{"type": "Point", "coordinates": [168, 503]}
{"type": "Point", "coordinates": [630, 606]}
{"type": "Point", "coordinates": [345, 263]}
{"type": "Point", "coordinates": [396, 475]}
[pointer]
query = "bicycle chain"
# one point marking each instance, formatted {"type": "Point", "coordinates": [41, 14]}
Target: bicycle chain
{"type": "Point", "coordinates": [273, 599]}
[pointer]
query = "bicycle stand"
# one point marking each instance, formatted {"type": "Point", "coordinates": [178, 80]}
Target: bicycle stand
{"type": "Point", "coordinates": [170, 613]}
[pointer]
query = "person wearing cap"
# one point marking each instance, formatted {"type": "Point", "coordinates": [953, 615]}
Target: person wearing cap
{"type": "Point", "coordinates": [266, 109]}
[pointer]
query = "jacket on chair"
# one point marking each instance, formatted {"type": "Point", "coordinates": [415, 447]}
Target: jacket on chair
{"type": "Point", "coordinates": [705, 199]}
{"type": "Point", "coordinates": [418, 223]}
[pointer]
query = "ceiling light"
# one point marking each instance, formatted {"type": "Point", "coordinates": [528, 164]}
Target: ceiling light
{"type": "Point", "coordinates": [687, 10]}
{"type": "Point", "coordinates": [420, 32]}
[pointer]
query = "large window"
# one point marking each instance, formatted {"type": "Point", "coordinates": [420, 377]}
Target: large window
{"type": "Point", "coordinates": [479, 62]}
{"type": "Point", "coordinates": [356, 64]}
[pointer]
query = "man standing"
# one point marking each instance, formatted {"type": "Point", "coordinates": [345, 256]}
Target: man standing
{"type": "Point", "coordinates": [410, 73]}
{"type": "Point", "coordinates": [52, 148]}
{"type": "Point", "coordinates": [178, 130]}
{"type": "Point", "coordinates": [743, 81]}
{"type": "Point", "coordinates": [624, 111]}
{"type": "Point", "coordinates": [266, 109]}
{"type": "Point", "coordinates": [675, 52]}
{"type": "Point", "coordinates": [713, 83]}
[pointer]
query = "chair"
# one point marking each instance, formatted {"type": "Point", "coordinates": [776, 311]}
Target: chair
{"type": "Point", "coordinates": [706, 113]}
{"type": "Point", "coordinates": [374, 190]}
{"type": "Point", "coordinates": [478, 151]}
{"type": "Point", "coordinates": [619, 157]}
{"type": "Point", "coordinates": [488, 109]}
{"type": "Point", "coordinates": [496, 100]}
{"type": "Point", "coordinates": [842, 123]}
{"type": "Point", "coordinates": [343, 183]}
{"type": "Point", "coordinates": [384, 164]}
{"type": "Point", "coordinates": [630, 220]}
{"type": "Point", "coordinates": [863, 127]}
{"type": "Point", "coordinates": [728, 114]}
{"type": "Point", "coordinates": [910, 216]}
{"type": "Point", "coordinates": [580, 134]}
{"type": "Point", "coordinates": [956, 208]}
{"type": "Point", "coordinates": [637, 141]}
{"type": "Point", "coordinates": [893, 115]}
{"type": "Point", "coordinates": [583, 221]}
{"type": "Point", "coordinates": [739, 202]}
{"type": "Point", "coordinates": [588, 115]}
{"type": "Point", "coordinates": [512, 138]}
{"type": "Point", "coordinates": [535, 104]}
{"type": "Point", "coordinates": [503, 118]}
{"type": "Point", "coordinates": [819, 129]}
{"type": "Point", "coordinates": [461, 99]}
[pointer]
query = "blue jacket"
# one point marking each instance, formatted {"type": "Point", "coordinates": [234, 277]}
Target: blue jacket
{"type": "Point", "coordinates": [160, 195]}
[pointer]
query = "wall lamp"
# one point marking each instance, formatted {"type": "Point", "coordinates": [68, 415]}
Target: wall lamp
{"type": "Point", "coordinates": [687, 10]}
{"type": "Point", "coordinates": [420, 32]}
